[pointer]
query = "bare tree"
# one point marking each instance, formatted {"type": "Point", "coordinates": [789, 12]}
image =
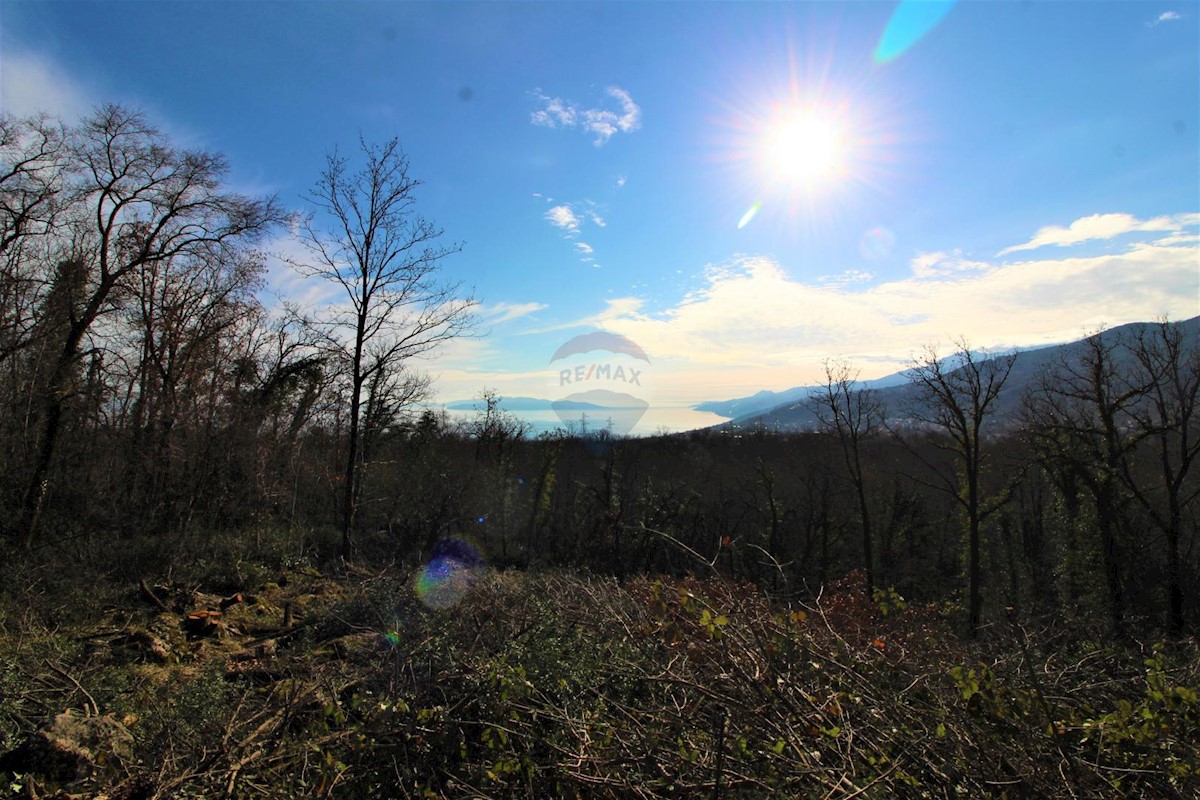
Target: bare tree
{"type": "Point", "coordinates": [31, 176]}
{"type": "Point", "coordinates": [1077, 415]}
{"type": "Point", "coordinates": [1121, 420]}
{"type": "Point", "coordinates": [366, 238]}
{"type": "Point", "coordinates": [32, 173]}
{"type": "Point", "coordinates": [182, 314]}
{"type": "Point", "coordinates": [131, 200]}
{"type": "Point", "coordinates": [853, 414]}
{"type": "Point", "coordinates": [1168, 365]}
{"type": "Point", "coordinates": [958, 401]}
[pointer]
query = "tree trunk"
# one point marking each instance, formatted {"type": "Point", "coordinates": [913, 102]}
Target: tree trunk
{"type": "Point", "coordinates": [975, 603]}
{"type": "Point", "coordinates": [1174, 589]}
{"type": "Point", "coordinates": [350, 496]}
{"type": "Point", "coordinates": [1105, 522]}
{"type": "Point", "coordinates": [56, 395]}
{"type": "Point", "coordinates": [868, 554]}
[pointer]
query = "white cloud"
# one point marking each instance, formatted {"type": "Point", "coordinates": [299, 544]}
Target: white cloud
{"type": "Point", "coordinates": [751, 313]}
{"type": "Point", "coordinates": [621, 181]}
{"type": "Point", "coordinates": [1166, 16]}
{"type": "Point", "coordinates": [569, 221]}
{"type": "Point", "coordinates": [506, 312]}
{"type": "Point", "coordinates": [615, 309]}
{"type": "Point", "coordinates": [563, 217]}
{"type": "Point", "coordinates": [923, 264]}
{"type": "Point", "coordinates": [752, 325]}
{"type": "Point", "coordinates": [30, 84]}
{"type": "Point", "coordinates": [555, 112]}
{"type": "Point", "coordinates": [939, 263]}
{"type": "Point", "coordinates": [845, 278]}
{"type": "Point", "coordinates": [284, 283]}
{"type": "Point", "coordinates": [602, 123]}
{"type": "Point", "coordinates": [1099, 226]}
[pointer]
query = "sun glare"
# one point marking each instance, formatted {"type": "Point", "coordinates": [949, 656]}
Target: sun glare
{"type": "Point", "coordinates": [805, 148]}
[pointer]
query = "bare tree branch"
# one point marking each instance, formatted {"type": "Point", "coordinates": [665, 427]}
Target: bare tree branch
{"type": "Point", "coordinates": [365, 237]}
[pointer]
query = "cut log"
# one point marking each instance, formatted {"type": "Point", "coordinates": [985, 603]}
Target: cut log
{"type": "Point", "coordinates": [202, 623]}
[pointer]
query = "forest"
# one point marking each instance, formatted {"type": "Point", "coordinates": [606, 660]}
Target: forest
{"type": "Point", "coordinates": [240, 559]}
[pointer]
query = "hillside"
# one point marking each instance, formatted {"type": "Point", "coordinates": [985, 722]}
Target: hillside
{"type": "Point", "coordinates": [795, 414]}
{"type": "Point", "coordinates": [740, 408]}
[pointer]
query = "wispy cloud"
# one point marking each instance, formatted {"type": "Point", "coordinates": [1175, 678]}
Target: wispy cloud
{"type": "Point", "coordinates": [285, 284]}
{"type": "Point", "coordinates": [940, 264]}
{"type": "Point", "coordinates": [563, 218]}
{"type": "Point", "coordinates": [31, 84]}
{"type": "Point", "coordinates": [604, 124]}
{"type": "Point", "coordinates": [507, 312]}
{"type": "Point", "coordinates": [570, 221]}
{"type": "Point", "coordinates": [1099, 226]}
{"type": "Point", "coordinates": [1166, 16]}
{"type": "Point", "coordinates": [554, 113]}
{"type": "Point", "coordinates": [615, 310]}
{"type": "Point", "coordinates": [601, 122]}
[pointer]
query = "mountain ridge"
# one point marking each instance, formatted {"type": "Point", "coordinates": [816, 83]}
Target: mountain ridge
{"type": "Point", "coordinates": [794, 414]}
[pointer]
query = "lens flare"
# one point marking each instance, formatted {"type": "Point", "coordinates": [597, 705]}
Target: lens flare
{"type": "Point", "coordinates": [909, 23]}
{"type": "Point", "coordinates": [451, 571]}
{"type": "Point", "coordinates": [877, 243]}
{"type": "Point", "coordinates": [749, 215]}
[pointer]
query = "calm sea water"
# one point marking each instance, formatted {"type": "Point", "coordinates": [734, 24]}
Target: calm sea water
{"type": "Point", "coordinates": [657, 419]}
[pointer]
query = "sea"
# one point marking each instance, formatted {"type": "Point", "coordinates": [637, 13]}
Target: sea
{"type": "Point", "coordinates": [656, 421]}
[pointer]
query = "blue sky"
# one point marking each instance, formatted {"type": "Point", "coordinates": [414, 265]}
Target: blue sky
{"type": "Point", "coordinates": [1022, 172]}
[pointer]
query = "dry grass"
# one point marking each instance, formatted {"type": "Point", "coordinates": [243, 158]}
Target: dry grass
{"type": "Point", "coordinates": [562, 685]}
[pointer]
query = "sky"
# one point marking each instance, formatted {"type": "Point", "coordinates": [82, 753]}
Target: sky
{"type": "Point", "coordinates": [742, 189]}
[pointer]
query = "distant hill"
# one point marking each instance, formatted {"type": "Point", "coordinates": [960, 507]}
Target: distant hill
{"type": "Point", "coordinates": [794, 414]}
{"type": "Point", "coordinates": [766, 400]}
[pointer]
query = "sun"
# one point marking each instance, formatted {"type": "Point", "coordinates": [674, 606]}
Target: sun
{"type": "Point", "coordinates": [804, 149]}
